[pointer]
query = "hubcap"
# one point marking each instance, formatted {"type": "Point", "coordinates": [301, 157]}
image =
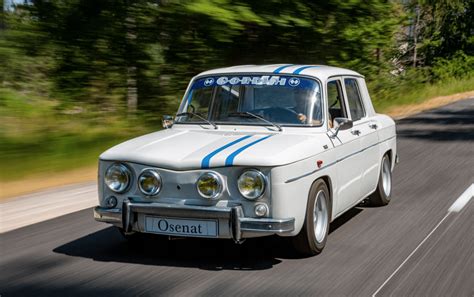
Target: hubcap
{"type": "Point", "coordinates": [320, 216]}
{"type": "Point", "coordinates": [386, 177]}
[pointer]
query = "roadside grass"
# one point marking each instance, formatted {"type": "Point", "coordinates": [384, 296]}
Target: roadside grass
{"type": "Point", "coordinates": [412, 94]}
{"type": "Point", "coordinates": [39, 138]}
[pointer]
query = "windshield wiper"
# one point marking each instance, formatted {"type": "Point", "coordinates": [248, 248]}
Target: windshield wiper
{"type": "Point", "coordinates": [252, 115]}
{"type": "Point", "coordinates": [191, 114]}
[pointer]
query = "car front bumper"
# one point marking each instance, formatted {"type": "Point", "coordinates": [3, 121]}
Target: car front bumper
{"type": "Point", "coordinates": [232, 223]}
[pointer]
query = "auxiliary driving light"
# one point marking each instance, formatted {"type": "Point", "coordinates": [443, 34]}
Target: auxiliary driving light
{"type": "Point", "coordinates": [209, 185]}
{"type": "Point", "coordinates": [149, 182]}
{"type": "Point", "coordinates": [261, 210]}
{"type": "Point", "coordinates": [251, 184]}
{"type": "Point", "coordinates": [111, 202]}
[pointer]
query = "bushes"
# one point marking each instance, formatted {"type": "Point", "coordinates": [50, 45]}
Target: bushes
{"type": "Point", "coordinates": [414, 85]}
{"type": "Point", "coordinates": [460, 66]}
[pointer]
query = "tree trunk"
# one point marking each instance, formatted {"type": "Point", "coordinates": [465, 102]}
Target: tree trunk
{"type": "Point", "coordinates": [132, 96]}
{"type": "Point", "coordinates": [415, 34]}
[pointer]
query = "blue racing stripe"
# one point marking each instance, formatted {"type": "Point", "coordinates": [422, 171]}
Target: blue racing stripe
{"type": "Point", "coordinates": [298, 71]}
{"type": "Point", "coordinates": [282, 67]}
{"type": "Point", "coordinates": [230, 159]}
{"type": "Point", "coordinates": [207, 159]}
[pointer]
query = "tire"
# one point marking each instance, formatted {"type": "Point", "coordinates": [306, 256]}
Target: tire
{"type": "Point", "coordinates": [313, 236]}
{"type": "Point", "coordinates": [383, 193]}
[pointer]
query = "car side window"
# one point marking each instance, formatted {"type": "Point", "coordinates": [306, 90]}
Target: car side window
{"type": "Point", "coordinates": [354, 99]}
{"type": "Point", "coordinates": [336, 107]}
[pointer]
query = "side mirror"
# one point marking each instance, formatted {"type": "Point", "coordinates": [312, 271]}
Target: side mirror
{"type": "Point", "coordinates": [342, 124]}
{"type": "Point", "coordinates": [167, 121]}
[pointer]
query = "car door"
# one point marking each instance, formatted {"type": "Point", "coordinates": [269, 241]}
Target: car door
{"type": "Point", "coordinates": [346, 143]}
{"type": "Point", "coordinates": [365, 127]}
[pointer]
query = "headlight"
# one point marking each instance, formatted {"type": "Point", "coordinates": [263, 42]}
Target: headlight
{"type": "Point", "coordinates": [251, 184]}
{"type": "Point", "coordinates": [149, 182]}
{"type": "Point", "coordinates": [209, 185]}
{"type": "Point", "coordinates": [117, 177]}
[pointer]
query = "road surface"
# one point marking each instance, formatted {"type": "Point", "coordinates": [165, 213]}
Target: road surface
{"type": "Point", "coordinates": [421, 244]}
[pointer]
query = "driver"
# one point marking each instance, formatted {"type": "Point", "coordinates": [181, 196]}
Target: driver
{"type": "Point", "coordinates": [300, 108]}
{"type": "Point", "coordinates": [302, 98]}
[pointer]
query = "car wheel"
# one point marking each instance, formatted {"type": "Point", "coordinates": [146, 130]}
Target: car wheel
{"type": "Point", "coordinates": [312, 237]}
{"type": "Point", "coordinates": [383, 193]}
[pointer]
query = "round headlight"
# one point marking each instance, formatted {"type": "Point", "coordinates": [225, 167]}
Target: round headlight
{"type": "Point", "coordinates": [209, 185]}
{"type": "Point", "coordinates": [149, 182]}
{"type": "Point", "coordinates": [251, 184]}
{"type": "Point", "coordinates": [117, 177]}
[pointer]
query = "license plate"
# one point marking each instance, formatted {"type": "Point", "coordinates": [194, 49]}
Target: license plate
{"type": "Point", "coordinates": [182, 227]}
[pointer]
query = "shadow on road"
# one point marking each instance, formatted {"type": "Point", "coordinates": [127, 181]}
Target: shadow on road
{"type": "Point", "coordinates": [209, 254]}
{"type": "Point", "coordinates": [346, 217]}
{"type": "Point", "coordinates": [447, 124]}
{"type": "Point", "coordinates": [108, 245]}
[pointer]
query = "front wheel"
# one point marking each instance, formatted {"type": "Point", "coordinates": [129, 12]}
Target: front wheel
{"type": "Point", "coordinates": [383, 193]}
{"type": "Point", "coordinates": [312, 237]}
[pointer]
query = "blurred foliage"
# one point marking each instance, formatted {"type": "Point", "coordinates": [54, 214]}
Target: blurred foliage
{"type": "Point", "coordinates": [79, 75]}
{"type": "Point", "coordinates": [448, 29]}
{"type": "Point", "coordinates": [458, 66]}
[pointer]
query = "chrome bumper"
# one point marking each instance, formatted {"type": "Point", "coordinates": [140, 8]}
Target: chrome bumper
{"type": "Point", "coordinates": [233, 216]}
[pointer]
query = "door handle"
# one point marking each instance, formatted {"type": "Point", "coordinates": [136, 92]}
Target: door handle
{"type": "Point", "coordinates": [373, 126]}
{"type": "Point", "coordinates": [355, 132]}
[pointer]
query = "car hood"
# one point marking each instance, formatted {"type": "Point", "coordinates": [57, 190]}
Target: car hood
{"type": "Point", "coordinates": [196, 149]}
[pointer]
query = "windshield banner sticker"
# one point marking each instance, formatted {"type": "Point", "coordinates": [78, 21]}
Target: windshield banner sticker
{"type": "Point", "coordinates": [263, 80]}
{"type": "Point", "coordinates": [252, 80]}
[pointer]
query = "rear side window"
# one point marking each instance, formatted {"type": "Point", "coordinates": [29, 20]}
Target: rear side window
{"type": "Point", "coordinates": [353, 98]}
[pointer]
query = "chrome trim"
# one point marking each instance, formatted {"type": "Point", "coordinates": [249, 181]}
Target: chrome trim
{"type": "Point", "coordinates": [108, 215]}
{"type": "Point", "coordinates": [309, 173]}
{"type": "Point", "coordinates": [236, 213]}
{"type": "Point", "coordinates": [267, 225]}
{"type": "Point", "coordinates": [337, 161]}
{"type": "Point", "coordinates": [238, 223]}
{"type": "Point", "coordinates": [127, 216]}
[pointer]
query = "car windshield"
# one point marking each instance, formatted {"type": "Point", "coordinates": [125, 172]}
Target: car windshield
{"type": "Point", "coordinates": [253, 99]}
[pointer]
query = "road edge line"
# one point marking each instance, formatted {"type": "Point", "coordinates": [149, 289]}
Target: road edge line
{"type": "Point", "coordinates": [410, 255]}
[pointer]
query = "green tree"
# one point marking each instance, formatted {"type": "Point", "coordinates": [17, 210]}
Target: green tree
{"type": "Point", "coordinates": [440, 29]}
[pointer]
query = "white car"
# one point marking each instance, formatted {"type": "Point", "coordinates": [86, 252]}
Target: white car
{"type": "Point", "coordinates": [254, 151]}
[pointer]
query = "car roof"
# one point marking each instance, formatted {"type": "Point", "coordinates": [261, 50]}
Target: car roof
{"type": "Point", "coordinates": [322, 72]}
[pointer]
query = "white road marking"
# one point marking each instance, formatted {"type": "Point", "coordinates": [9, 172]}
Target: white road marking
{"type": "Point", "coordinates": [455, 207]}
{"type": "Point", "coordinates": [462, 200]}
{"type": "Point", "coordinates": [409, 256]}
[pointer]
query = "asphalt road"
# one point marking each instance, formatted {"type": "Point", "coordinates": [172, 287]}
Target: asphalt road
{"type": "Point", "coordinates": [413, 246]}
